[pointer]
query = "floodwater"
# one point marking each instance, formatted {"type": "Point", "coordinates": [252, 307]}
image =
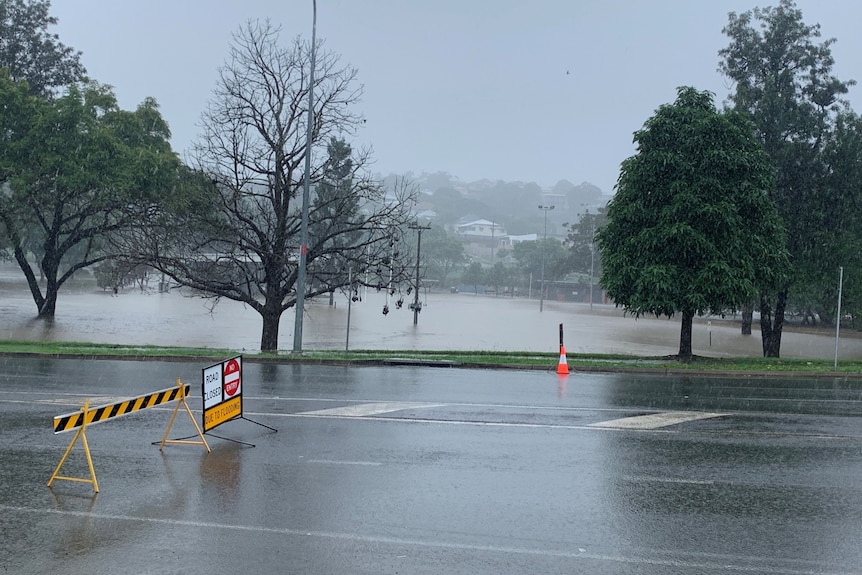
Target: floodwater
{"type": "Point", "coordinates": [448, 321]}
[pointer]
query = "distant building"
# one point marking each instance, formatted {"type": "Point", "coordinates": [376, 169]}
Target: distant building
{"type": "Point", "coordinates": [427, 215]}
{"type": "Point", "coordinates": [481, 228]}
{"type": "Point", "coordinates": [482, 238]}
{"type": "Point", "coordinates": [525, 238]}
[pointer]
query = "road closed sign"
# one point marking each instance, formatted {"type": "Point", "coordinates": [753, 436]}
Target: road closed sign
{"type": "Point", "coordinates": [221, 388]}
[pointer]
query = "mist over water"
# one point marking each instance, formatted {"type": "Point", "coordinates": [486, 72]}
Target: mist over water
{"type": "Point", "coordinates": [448, 321]}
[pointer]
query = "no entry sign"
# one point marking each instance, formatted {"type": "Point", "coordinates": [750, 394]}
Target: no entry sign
{"type": "Point", "coordinates": [232, 378]}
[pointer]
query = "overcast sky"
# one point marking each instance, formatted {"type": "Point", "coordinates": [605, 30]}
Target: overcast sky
{"type": "Point", "coordinates": [500, 89]}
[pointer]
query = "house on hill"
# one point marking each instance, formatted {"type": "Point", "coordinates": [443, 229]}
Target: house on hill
{"type": "Point", "coordinates": [482, 238]}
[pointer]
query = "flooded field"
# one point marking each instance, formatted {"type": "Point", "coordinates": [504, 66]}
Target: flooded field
{"type": "Point", "coordinates": [448, 321]}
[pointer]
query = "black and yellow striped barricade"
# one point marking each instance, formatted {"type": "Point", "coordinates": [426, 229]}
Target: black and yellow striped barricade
{"type": "Point", "coordinates": [79, 420]}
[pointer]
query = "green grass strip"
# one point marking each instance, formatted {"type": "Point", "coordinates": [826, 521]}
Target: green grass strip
{"type": "Point", "coordinates": [490, 359]}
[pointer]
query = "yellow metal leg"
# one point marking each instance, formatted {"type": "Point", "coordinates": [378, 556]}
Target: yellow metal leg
{"type": "Point", "coordinates": [82, 435]}
{"type": "Point", "coordinates": [182, 402]}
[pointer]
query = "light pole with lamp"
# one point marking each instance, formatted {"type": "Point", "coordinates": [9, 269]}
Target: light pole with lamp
{"type": "Point", "coordinates": [592, 262]}
{"type": "Point", "coordinates": [592, 220]}
{"type": "Point", "coordinates": [542, 285]}
{"type": "Point", "coordinates": [303, 243]}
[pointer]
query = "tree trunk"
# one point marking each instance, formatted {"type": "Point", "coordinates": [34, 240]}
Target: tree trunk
{"type": "Point", "coordinates": [685, 335]}
{"type": "Point", "coordinates": [33, 284]}
{"type": "Point", "coordinates": [269, 337]}
{"type": "Point", "coordinates": [770, 329]}
{"type": "Point", "coordinates": [49, 303]}
{"type": "Point", "coordinates": [747, 318]}
{"type": "Point", "coordinates": [50, 267]}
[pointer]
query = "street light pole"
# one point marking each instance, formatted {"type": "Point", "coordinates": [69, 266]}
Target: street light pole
{"type": "Point", "coordinates": [542, 285]}
{"type": "Point", "coordinates": [592, 221]}
{"type": "Point", "coordinates": [592, 264]}
{"type": "Point", "coordinates": [349, 304]}
{"type": "Point", "coordinates": [303, 247]}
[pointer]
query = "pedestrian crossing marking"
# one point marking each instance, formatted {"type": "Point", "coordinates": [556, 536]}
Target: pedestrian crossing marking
{"type": "Point", "coordinates": [656, 420]}
{"type": "Point", "coordinates": [366, 409]}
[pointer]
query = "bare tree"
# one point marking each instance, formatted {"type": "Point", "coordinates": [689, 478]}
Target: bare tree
{"type": "Point", "coordinates": [235, 233]}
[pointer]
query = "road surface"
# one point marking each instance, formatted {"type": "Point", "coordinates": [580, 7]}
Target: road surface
{"type": "Point", "coordinates": [432, 470]}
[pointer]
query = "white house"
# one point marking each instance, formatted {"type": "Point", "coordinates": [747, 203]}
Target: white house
{"type": "Point", "coordinates": [481, 228]}
{"type": "Point", "coordinates": [482, 238]}
{"type": "Point", "coordinates": [525, 238]}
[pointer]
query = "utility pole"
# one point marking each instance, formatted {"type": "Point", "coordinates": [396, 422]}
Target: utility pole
{"type": "Point", "coordinates": [416, 306]}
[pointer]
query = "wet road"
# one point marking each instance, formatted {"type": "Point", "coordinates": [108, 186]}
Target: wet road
{"type": "Point", "coordinates": [422, 470]}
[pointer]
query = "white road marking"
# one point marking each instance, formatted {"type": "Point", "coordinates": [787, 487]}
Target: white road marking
{"type": "Point", "coordinates": [366, 409]}
{"type": "Point", "coordinates": [338, 462]}
{"type": "Point", "coordinates": [690, 562]}
{"type": "Point", "coordinates": [656, 420]}
{"type": "Point", "coordinates": [95, 401]}
{"type": "Point", "coordinates": [653, 479]}
{"type": "Point", "coordinates": [461, 422]}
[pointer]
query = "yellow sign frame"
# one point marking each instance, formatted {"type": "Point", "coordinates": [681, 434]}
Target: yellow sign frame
{"type": "Point", "coordinates": [87, 415]}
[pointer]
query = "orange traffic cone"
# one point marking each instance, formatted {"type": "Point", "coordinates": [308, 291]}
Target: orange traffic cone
{"type": "Point", "coordinates": [563, 366]}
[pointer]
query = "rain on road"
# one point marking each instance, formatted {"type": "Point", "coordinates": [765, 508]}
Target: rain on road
{"type": "Point", "coordinates": [430, 470]}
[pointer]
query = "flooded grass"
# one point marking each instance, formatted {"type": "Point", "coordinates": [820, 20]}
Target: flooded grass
{"type": "Point", "coordinates": [454, 329]}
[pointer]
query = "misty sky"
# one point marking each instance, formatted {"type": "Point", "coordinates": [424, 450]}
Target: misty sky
{"type": "Point", "coordinates": [499, 89]}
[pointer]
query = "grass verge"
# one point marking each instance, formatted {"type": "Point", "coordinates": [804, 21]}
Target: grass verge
{"type": "Point", "coordinates": [481, 359]}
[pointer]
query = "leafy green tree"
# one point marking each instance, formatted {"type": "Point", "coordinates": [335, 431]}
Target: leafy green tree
{"type": "Point", "coordinates": [530, 256]}
{"type": "Point", "coordinates": [19, 110]}
{"type": "Point", "coordinates": [451, 205]}
{"type": "Point", "coordinates": [784, 83]}
{"type": "Point", "coordinates": [474, 275]}
{"type": "Point", "coordinates": [676, 240]}
{"type": "Point", "coordinates": [32, 53]}
{"type": "Point", "coordinates": [508, 198]}
{"type": "Point", "coordinates": [583, 195]}
{"type": "Point", "coordinates": [437, 180]}
{"type": "Point", "coordinates": [108, 275]}
{"type": "Point", "coordinates": [80, 170]}
{"type": "Point", "coordinates": [497, 276]}
{"type": "Point", "coordinates": [246, 246]}
{"type": "Point", "coordinates": [333, 197]}
{"type": "Point", "coordinates": [36, 63]}
{"type": "Point", "coordinates": [442, 254]}
{"type": "Point", "coordinates": [581, 242]}
{"type": "Point", "coordinates": [837, 226]}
